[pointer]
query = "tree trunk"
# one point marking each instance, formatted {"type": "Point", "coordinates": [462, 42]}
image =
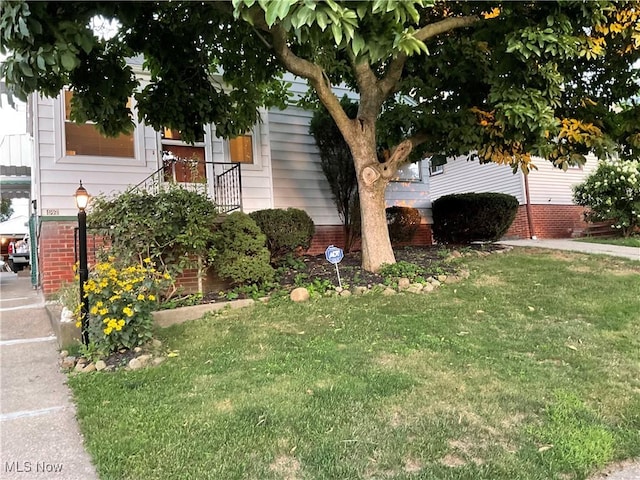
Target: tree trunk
{"type": "Point", "coordinates": [373, 179]}
{"type": "Point", "coordinates": [376, 245]}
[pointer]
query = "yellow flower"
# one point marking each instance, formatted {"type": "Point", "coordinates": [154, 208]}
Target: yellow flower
{"type": "Point", "coordinates": [167, 276]}
{"type": "Point", "coordinates": [108, 330]}
{"type": "Point", "coordinates": [147, 260]}
{"type": "Point", "coordinates": [103, 311]}
{"type": "Point", "coordinates": [152, 297]}
{"type": "Point", "coordinates": [78, 324]}
{"type": "Point", "coordinates": [127, 311]}
{"type": "Point", "coordinates": [94, 310]}
{"type": "Point", "coordinates": [121, 323]}
{"type": "Point", "coordinates": [140, 296]}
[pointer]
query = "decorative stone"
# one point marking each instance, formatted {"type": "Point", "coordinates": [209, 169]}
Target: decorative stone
{"type": "Point", "coordinates": [456, 254]}
{"type": "Point", "coordinates": [345, 293]}
{"type": "Point", "coordinates": [360, 290]}
{"type": "Point", "coordinates": [68, 363]}
{"type": "Point", "coordinates": [89, 368]}
{"type": "Point", "coordinates": [79, 366]}
{"type": "Point", "coordinates": [339, 289]}
{"type": "Point", "coordinates": [144, 359]}
{"type": "Point", "coordinates": [388, 292]}
{"type": "Point", "coordinates": [441, 278]}
{"type": "Point", "coordinates": [156, 343]}
{"type": "Point", "coordinates": [412, 289]}
{"type": "Point", "coordinates": [100, 365]}
{"type": "Point", "coordinates": [464, 273]}
{"type": "Point", "coordinates": [64, 354]}
{"type": "Point", "coordinates": [435, 283]}
{"type": "Point", "coordinates": [428, 288]}
{"type": "Point", "coordinates": [416, 286]}
{"type": "Point", "coordinates": [135, 364]}
{"type": "Point", "coordinates": [403, 283]}
{"type": "Point", "coordinates": [137, 349]}
{"type": "Point", "coordinates": [299, 294]}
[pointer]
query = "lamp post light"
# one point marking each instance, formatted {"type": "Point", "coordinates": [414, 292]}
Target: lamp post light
{"type": "Point", "coordinates": [82, 199]}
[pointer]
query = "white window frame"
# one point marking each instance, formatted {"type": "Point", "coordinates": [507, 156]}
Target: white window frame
{"type": "Point", "coordinates": [435, 170]}
{"type": "Point", "coordinates": [60, 147]}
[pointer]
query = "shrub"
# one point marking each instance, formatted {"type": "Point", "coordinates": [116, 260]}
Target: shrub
{"type": "Point", "coordinates": [120, 304]}
{"type": "Point", "coordinates": [612, 192]}
{"type": "Point", "coordinates": [241, 255]}
{"type": "Point", "coordinates": [403, 223]}
{"type": "Point", "coordinates": [286, 230]}
{"type": "Point", "coordinates": [401, 269]}
{"type": "Point", "coordinates": [467, 217]}
{"type": "Point", "coordinates": [174, 228]}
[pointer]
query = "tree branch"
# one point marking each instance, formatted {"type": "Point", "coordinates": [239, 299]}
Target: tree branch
{"type": "Point", "coordinates": [445, 25]}
{"type": "Point", "coordinates": [400, 153]}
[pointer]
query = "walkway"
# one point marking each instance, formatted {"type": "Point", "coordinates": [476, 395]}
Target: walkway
{"type": "Point", "coordinates": [39, 434]}
{"type": "Point", "coordinates": [632, 253]}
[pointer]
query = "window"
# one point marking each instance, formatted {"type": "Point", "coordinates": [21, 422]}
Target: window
{"type": "Point", "coordinates": [435, 170]}
{"type": "Point", "coordinates": [241, 149]}
{"type": "Point", "coordinates": [181, 162]}
{"type": "Point", "coordinates": [85, 139]}
{"type": "Point", "coordinates": [410, 172]}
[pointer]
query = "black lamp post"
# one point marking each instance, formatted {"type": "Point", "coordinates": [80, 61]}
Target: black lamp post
{"type": "Point", "coordinates": [82, 199]}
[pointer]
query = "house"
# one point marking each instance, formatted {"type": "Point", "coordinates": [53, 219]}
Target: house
{"type": "Point", "coordinates": [276, 165]}
{"type": "Point", "coordinates": [545, 195]}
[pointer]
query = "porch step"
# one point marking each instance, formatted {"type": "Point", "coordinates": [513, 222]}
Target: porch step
{"type": "Point", "coordinates": [599, 229]}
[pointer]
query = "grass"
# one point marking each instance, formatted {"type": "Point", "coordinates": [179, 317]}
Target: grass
{"type": "Point", "coordinates": [633, 241]}
{"type": "Point", "coordinates": [527, 370]}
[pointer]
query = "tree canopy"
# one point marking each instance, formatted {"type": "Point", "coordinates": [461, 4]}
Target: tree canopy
{"type": "Point", "coordinates": [501, 81]}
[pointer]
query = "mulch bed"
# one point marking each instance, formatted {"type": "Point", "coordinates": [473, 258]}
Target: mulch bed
{"type": "Point", "coordinates": [307, 268]}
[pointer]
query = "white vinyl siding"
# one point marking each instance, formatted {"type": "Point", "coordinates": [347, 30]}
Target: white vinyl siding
{"type": "Point", "coordinates": [298, 180]}
{"type": "Point", "coordinates": [552, 186]}
{"type": "Point", "coordinates": [462, 176]}
{"type": "Point", "coordinates": [59, 176]}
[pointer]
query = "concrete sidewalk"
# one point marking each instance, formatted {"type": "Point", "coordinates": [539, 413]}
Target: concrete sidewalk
{"type": "Point", "coordinates": [39, 434]}
{"type": "Point", "coordinates": [632, 253]}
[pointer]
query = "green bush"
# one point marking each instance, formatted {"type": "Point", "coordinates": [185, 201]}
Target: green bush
{"type": "Point", "coordinates": [174, 228]}
{"type": "Point", "coordinates": [403, 223]}
{"type": "Point", "coordinates": [612, 192]}
{"type": "Point", "coordinates": [286, 230]}
{"type": "Point", "coordinates": [241, 255]}
{"type": "Point", "coordinates": [467, 217]}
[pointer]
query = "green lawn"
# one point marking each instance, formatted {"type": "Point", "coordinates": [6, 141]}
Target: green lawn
{"type": "Point", "coordinates": [621, 241]}
{"type": "Point", "coordinates": [527, 370]}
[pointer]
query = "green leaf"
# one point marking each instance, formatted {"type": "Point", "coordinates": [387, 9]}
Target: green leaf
{"type": "Point", "coordinates": [68, 61]}
{"type": "Point", "coordinates": [337, 33]}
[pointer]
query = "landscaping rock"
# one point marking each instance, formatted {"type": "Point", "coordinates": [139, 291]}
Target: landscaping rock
{"type": "Point", "coordinates": [68, 363]}
{"type": "Point", "coordinates": [435, 283]}
{"type": "Point", "coordinates": [89, 368]}
{"type": "Point", "coordinates": [417, 286]}
{"type": "Point", "coordinates": [360, 290]}
{"type": "Point", "coordinates": [345, 293]}
{"type": "Point", "coordinates": [79, 366]}
{"type": "Point", "coordinates": [442, 278]}
{"type": "Point", "coordinates": [403, 283]}
{"type": "Point", "coordinates": [299, 294]}
{"type": "Point", "coordinates": [412, 289]}
{"type": "Point", "coordinates": [464, 273]}
{"type": "Point", "coordinates": [388, 291]}
{"type": "Point", "coordinates": [456, 254]}
{"type": "Point", "coordinates": [64, 354]}
{"type": "Point", "coordinates": [428, 288]}
{"type": "Point", "coordinates": [100, 365]}
{"type": "Point", "coordinates": [137, 349]}
{"type": "Point", "coordinates": [144, 359]}
{"type": "Point", "coordinates": [339, 289]}
{"type": "Point", "coordinates": [135, 364]}
{"type": "Point", "coordinates": [156, 343]}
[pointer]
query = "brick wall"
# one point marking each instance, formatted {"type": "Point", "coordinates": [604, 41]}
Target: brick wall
{"type": "Point", "coordinates": [333, 235]}
{"type": "Point", "coordinates": [549, 221]}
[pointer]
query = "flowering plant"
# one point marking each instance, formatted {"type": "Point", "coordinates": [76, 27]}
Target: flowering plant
{"type": "Point", "coordinates": [120, 303]}
{"type": "Point", "coordinates": [612, 192]}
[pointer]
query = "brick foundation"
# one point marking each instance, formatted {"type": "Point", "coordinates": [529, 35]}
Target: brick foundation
{"type": "Point", "coordinates": [333, 235]}
{"type": "Point", "coordinates": [549, 221]}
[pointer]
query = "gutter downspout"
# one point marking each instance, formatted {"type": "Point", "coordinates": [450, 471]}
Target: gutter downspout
{"type": "Point", "coordinates": [532, 232]}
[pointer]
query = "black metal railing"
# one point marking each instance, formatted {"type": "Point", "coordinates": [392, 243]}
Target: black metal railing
{"type": "Point", "coordinates": [225, 190]}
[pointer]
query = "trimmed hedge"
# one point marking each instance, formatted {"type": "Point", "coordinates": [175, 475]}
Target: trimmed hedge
{"type": "Point", "coordinates": [286, 230]}
{"type": "Point", "coordinates": [467, 217]}
{"type": "Point", "coordinates": [241, 255]}
{"type": "Point", "coordinates": [403, 223]}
